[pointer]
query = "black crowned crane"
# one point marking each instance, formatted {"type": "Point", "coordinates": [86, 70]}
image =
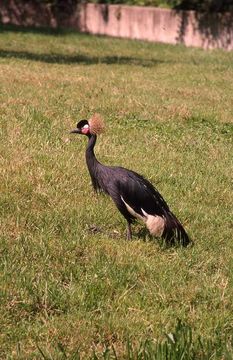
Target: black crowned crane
{"type": "Point", "coordinates": [134, 196]}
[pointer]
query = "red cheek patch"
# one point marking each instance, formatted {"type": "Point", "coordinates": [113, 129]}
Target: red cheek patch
{"type": "Point", "coordinates": [85, 131]}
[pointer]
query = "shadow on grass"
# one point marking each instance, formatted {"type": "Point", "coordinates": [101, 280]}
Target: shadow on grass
{"type": "Point", "coordinates": [56, 58]}
{"type": "Point", "coordinates": [36, 30]}
{"type": "Point", "coordinates": [139, 234]}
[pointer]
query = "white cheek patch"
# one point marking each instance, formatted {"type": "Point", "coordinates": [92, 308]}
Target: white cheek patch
{"type": "Point", "coordinates": [86, 126]}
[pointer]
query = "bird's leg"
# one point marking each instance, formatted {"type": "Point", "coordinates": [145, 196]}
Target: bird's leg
{"type": "Point", "coordinates": [129, 231]}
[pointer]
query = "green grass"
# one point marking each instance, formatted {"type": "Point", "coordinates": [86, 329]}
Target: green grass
{"type": "Point", "coordinates": [68, 291]}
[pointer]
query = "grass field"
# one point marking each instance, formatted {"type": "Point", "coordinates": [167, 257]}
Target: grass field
{"type": "Point", "coordinates": [71, 286]}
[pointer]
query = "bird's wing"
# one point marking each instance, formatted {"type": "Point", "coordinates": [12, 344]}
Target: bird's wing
{"type": "Point", "coordinates": [136, 197]}
{"type": "Point", "coordinates": [140, 195]}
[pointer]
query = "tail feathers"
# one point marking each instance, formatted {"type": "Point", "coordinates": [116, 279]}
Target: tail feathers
{"type": "Point", "coordinates": [168, 227]}
{"type": "Point", "coordinates": [173, 232]}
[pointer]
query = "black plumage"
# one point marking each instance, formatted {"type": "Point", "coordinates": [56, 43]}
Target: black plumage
{"type": "Point", "coordinates": [133, 195]}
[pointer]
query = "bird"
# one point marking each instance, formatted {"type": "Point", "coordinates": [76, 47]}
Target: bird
{"type": "Point", "coordinates": [134, 196]}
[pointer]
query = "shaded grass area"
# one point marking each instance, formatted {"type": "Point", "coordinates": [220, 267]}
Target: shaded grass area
{"type": "Point", "coordinates": [70, 284]}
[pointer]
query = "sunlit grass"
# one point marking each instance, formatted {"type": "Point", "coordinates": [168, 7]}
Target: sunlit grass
{"type": "Point", "coordinates": [70, 284]}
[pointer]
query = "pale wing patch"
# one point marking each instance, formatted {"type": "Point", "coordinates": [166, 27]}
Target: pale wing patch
{"type": "Point", "coordinates": [155, 225]}
{"type": "Point", "coordinates": [132, 212]}
{"type": "Point", "coordinates": [144, 213]}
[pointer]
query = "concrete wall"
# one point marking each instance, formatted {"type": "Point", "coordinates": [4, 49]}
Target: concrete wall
{"type": "Point", "coordinates": [159, 25]}
{"type": "Point", "coordinates": [143, 23]}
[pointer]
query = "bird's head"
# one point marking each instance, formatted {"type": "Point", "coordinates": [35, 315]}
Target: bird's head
{"type": "Point", "coordinates": [93, 126]}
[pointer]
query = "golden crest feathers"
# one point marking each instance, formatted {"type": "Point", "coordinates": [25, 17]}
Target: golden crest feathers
{"type": "Point", "coordinates": [96, 124]}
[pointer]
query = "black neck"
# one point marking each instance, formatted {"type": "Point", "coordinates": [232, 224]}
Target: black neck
{"type": "Point", "coordinates": [90, 155]}
{"type": "Point", "coordinates": [92, 162]}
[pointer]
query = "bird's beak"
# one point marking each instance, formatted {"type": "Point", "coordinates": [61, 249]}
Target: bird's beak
{"type": "Point", "coordinates": [75, 131]}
